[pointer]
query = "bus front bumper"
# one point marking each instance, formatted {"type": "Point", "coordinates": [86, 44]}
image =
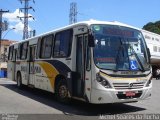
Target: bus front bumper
{"type": "Point", "coordinates": [99, 96]}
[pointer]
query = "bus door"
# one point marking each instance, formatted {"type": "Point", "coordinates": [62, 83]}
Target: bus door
{"type": "Point", "coordinates": [79, 83]}
{"type": "Point", "coordinates": [30, 65]}
{"type": "Point", "coordinates": [11, 63]}
{"type": "Point", "coordinates": [13, 68]}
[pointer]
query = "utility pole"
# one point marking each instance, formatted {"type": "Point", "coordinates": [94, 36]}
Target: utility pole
{"type": "Point", "coordinates": [25, 9]}
{"type": "Point", "coordinates": [73, 13]}
{"type": "Point", "coordinates": [1, 13]}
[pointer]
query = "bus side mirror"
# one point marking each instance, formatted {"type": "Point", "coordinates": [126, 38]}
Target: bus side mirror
{"type": "Point", "coordinates": [91, 40]}
{"type": "Point", "coordinates": [149, 55]}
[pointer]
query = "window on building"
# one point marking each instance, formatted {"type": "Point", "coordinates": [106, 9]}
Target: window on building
{"type": "Point", "coordinates": [62, 46]}
{"type": "Point", "coordinates": [159, 49]}
{"type": "Point", "coordinates": [24, 50]}
{"type": "Point", "coordinates": [157, 39]}
{"type": "Point", "coordinates": [46, 46]}
{"type": "Point", "coordinates": [155, 48]}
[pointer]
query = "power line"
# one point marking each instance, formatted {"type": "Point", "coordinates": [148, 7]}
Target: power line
{"type": "Point", "coordinates": [25, 17]}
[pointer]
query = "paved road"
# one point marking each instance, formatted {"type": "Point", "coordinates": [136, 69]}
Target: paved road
{"type": "Point", "coordinates": [43, 104]}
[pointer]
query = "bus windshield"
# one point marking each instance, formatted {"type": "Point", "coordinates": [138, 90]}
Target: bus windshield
{"type": "Point", "coordinates": [119, 48]}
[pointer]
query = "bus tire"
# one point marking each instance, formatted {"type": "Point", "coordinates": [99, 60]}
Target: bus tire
{"type": "Point", "coordinates": [62, 93]}
{"type": "Point", "coordinates": [19, 80]}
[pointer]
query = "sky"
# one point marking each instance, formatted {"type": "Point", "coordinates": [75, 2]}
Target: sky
{"type": "Point", "coordinates": [52, 14]}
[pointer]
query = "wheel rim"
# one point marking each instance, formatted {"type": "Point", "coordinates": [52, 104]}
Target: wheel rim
{"type": "Point", "coordinates": [63, 91]}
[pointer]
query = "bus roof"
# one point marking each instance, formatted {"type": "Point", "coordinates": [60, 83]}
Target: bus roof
{"type": "Point", "coordinates": [87, 23]}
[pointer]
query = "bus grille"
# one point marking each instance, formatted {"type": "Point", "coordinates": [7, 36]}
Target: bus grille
{"type": "Point", "coordinates": [128, 85]}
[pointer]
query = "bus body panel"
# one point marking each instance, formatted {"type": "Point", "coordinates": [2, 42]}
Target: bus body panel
{"type": "Point", "coordinates": [10, 70]}
{"type": "Point", "coordinates": [120, 85]}
{"type": "Point", "coordinates": [11, 64]}
{"type": "Point", "coordinates": [109, 96]}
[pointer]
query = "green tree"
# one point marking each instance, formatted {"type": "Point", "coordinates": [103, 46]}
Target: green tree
{"type": "Point", "coordinates": [153, 27]}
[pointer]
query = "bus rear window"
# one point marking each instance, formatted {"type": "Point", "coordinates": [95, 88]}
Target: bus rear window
{"type": "Point", "coordinates": [10, 54]}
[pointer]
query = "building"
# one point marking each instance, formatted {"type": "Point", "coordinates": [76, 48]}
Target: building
{"type": "Point", "coordinates": [153, 43]}
{"type": "Point", "coordinates": [4, 52]}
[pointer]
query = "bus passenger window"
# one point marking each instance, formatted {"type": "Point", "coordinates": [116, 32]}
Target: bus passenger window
{"type": "Point", "coordinates": [62, 46]}
{"type": "Point", "coordinates": [24, 50]}
{"type": "Point", "coordinates": [46, 47]}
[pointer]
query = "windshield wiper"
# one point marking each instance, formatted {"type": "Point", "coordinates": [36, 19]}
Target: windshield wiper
{"type": "Point", "coordinates": [121, 47]}
{"type": "Point", "coordinates": [138, 59]}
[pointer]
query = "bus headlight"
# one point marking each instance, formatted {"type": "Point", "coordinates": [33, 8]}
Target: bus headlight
{"type": "Point", "coordinates": [106, 84]}
{"type": "Point", "coordinates": [103, 81]}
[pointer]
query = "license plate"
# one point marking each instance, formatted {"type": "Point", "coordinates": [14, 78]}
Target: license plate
{"type": "Point", "coordinates": [130, 93]}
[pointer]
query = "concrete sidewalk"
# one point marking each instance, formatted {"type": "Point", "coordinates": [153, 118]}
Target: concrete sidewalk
{"type": "Point", "coordinates": [6, 81]}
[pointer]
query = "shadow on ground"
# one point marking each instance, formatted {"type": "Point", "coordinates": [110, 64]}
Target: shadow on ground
{"type": "Point", "coordinates": [75, 107]}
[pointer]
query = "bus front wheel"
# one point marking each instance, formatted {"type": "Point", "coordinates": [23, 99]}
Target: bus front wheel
{"type": "Point", "coordinates": [62, 93]}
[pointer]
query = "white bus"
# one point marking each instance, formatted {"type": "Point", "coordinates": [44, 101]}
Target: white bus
{"type": "Point", "coordinates": [94, 61]}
